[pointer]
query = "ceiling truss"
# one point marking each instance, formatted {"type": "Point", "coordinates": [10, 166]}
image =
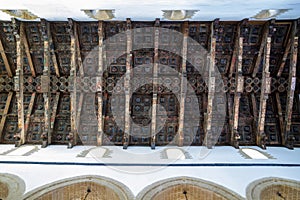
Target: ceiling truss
{"type": "Point", "coordinates": [51, 86]}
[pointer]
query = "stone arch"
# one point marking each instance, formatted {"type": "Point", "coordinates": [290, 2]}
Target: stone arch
{"type": "Point", "coordinates": [173, 188]}
{"type": "Point", "coordinates": [273, 188]}
{"type": "Point", "coordinates": [77, 187]}
{"type": "Point", "coordinates": [11, 186]}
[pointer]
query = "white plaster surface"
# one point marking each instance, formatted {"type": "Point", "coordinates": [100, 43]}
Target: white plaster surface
{"type": "Point", "coordinates": [136, 178]}
{"type": "Point", "coordinates": [254, 154]}
{"type": "Point", "coordinates": [21, 151]}
{"type": "Point", "coordinates": [175, 154]}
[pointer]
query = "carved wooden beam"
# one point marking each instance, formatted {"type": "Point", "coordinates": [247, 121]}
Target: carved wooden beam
{"type": "Point", "coordinates": [5, 60]}
{"type": "Point", "coordinates": [78, 53]}
{"type": "Point", "coordinates": [230, 109]}
{"type": "Point", "coordinates": [183, 83]}
{"type": "Point", "coordinates": [289, 138]}
{"type": "Point", "coordinates": [211, 89]}
{"type": "Point", "coordinates": [72, 137]}
{"type": "Point", "coordinates": [78, 63]}
{"type": "Point", "coordinates": [52, 51]}
{"type": "Point", "coordinates": [19, 82]}
{"type": "Point", "coordinates": [27, 49]}
{"type": "Point", "coordinates": [261, 48]}
{"type": "Point", "coordinates": [255, 111]}
{"type": "Point", "coordinates": [235, 51]}
{"type": "Point", "coordinates": [79, 109]}
{"type": "Point", "coordinates": [4, 115]}
{"type": "Point", "coordinates": [155, 83]}
{"type": "Point", "coordinates": [127, 85]}
{"type": "Point", "coordinates": [238, 91]}
{"type": "Point", "coordinates": [284, 57]}
{"type": "Point", "coordinates": [45, 85]}
{"type": "Point", "coordinates": [265, 91]}
{"type": "Point", "coordinates": [100, 83]}
{"type": "Point", "coordinates": [54, 111]}
{"type": "Point", "coordinates": [29, 112]}
{"type": "Point", "coordinates": [280, 116]}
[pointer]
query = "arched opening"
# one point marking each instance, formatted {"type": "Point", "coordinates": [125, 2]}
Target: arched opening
{"type": "Point", "coordinates": [182, 188]}
{"type": "Point", "coordinates": [11, 187]}
{"type": "Point", "coordinates": [274, 188]}
{"type": "Point", "coordinates": [82, 187]}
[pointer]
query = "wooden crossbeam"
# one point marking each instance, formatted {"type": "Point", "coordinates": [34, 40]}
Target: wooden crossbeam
{"type": "Point", "coordinates": [79, 109]}
{"type": "Point", "coordinates": [280, 116]}
{"type": "Point", "coordinates": [235, 51]}
{"type": "Point", "coordinates": [27, 49]}
{"type": "Point", "coordinates": [127, 85]}
{"type": "Point", "coordinates": [284, 57]}
{"type": "Point", "coordinates": [5, 112]}
{"type": "Point", "coordinates": [78, 53]}
{"type": "Point", "coordinates": [155, 84]}
{"type": "Point", "coordinates": [52, 51]}
{"type": "Point", "coordinates": [254, 108]}
{"type": "Point", "coordinates": [45, 82]}
{"type": "Point", "coordinates": [75, 60]}
{"type": "Point", "coordinates": [100, 83]}
{"type": "Point", "coordinates": [5, 60]}
{"type": "Point", "coordinates": [19, 82]}
{"type": "Point", "coordinates": [237, 95]}
{"type": "Point", "coordinates": [74, 129]}
{"type": "Point", "coordinates": [29, 112]}
{"type": "Point", "coordinates": [261, 49]}
{"type": "Point", "coordinates": [183, 86]}
{"type": "Point", "coordinates": [211, 89]}
{"type": "Point", "coordinates": [265, 91]}
{"type": "Point", "coordinates": [54, 111]}
{"type": "Point", "coordinates": [230, 109]}
{"type": "Point", "coordinates": [289, 138]}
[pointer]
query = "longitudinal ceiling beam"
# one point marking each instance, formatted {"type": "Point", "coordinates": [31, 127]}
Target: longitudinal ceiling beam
{"type": "Point", "coordinates": [127, 84]}
{"type": "Point", "coordinates": [5, 60]}
{"type": "Point", "coordinates": [265, 91]}
{"type": "Point", "coordinates": [289, 138]}
{"type": "Point", "coordinates": [19, 82]}
{"type": "Point", "coordinates": [100, 83]}
{"type": "Point", "coordinates": [45, 80]}
{"type": "Point", "coordinates": [183, 86]}
{"type": "Point", "coordinates": [211, 89]}
{"type": "Point", "coordinates": [155, 84]}
{"type": "Point", "coordinates": [72, 137]}
{"type": "Point", "coordinates": [237, 95]}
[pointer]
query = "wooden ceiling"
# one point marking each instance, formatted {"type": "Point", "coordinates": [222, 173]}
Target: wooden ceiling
{"type": "Point", "coordinates": [41, 62]}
